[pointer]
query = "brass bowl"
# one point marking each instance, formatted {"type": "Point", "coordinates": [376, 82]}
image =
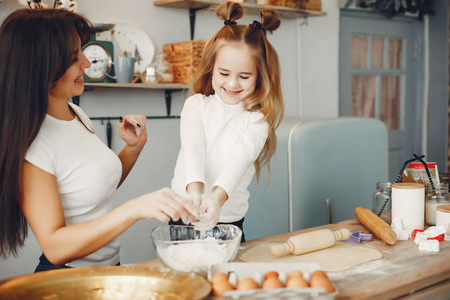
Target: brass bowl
{"type": "Point", "coordinates": [110, 282]}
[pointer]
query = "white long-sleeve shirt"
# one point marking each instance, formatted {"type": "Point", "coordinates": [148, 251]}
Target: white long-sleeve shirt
{"type": "Point", "coordinates": [219, 144]}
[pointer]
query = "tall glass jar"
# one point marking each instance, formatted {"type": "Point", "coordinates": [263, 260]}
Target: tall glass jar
{"type": "Point", "coordinates": [164, 69]}
{"type": "Point", "coordinates": [434, 196]}
{"type": "Point", "coordinates": [381, 202]}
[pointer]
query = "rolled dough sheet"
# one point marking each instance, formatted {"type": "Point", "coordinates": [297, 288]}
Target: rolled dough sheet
{"type": "Point", "coordinates": [341, 256]}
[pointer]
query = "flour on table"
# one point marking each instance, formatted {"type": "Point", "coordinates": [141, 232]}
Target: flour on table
{"type": "Point", "coordinates": [341, 256]}
{"type": "Point", "coordinates": [195, 257]}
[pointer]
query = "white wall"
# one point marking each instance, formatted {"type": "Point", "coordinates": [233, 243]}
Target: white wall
{"type": "Point", "coordinates": [319, 64]}
{"type": "Point", "coordinates": [307, 52]}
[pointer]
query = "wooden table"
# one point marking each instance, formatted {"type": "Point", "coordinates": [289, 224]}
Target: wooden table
{"type": "Point", "coordinates": [403, 272]}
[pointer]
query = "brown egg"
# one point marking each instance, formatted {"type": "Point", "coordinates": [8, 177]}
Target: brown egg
{"type": "Point", "coordinates": [219, 277]}
{"type": "Point", "coordinates": [272, 283]}
{"type": "Point", "coordinates": [270, 274]}
{"type": "Point", "coordinates": [320, 279]}
{"type": "Point", "coordinates": [247, 284]}
{"type": "Point", "coordinates": [296, 282]}
{"type": "Point", "coordinates": [219, 288]}
{"type": "Point", "coordinates": [295, 274]}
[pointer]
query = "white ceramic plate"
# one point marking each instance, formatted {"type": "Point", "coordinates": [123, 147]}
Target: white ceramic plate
{"type": "Point", "coordinates": [132, 40]}
{"type": "Point", "coordinates": [100, 27]}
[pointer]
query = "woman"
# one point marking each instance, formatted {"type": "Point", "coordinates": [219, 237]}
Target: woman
{"type": "Point", "coordinates": [56, 174]}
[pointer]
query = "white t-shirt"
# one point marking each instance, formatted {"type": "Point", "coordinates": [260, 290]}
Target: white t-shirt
{"type": "Point", "coordinates": [87, 173]}
{"type": "Point", "coordinates": [219, 144]}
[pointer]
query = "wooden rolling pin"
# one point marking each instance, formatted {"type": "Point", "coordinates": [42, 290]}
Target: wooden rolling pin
{"type": "Point", "coordinates": [376, 225]}
{"type": "Point", "coordinates": [308, 242]}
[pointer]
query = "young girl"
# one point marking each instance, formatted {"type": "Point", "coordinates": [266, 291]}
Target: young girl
{"type": "Point", "coordinates": [228, 126]}
{"type": "Point", "coordinates": [55, 173]}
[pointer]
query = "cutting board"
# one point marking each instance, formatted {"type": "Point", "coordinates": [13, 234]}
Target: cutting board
{"type": "Point", "coordinates": [340, 257]}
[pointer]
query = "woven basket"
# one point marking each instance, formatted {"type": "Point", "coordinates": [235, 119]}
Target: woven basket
{"type": "Point", "coordinates": [301, 4]}
{"type": "Point", "coordinates": [184, 57]}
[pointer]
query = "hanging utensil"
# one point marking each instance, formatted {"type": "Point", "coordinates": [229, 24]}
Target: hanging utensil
{"type": "Point", "coordinates": [108, 133]}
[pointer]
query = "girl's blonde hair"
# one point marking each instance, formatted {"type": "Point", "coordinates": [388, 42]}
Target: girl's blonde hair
{"type": "Point", "coordinates": [267, 97]}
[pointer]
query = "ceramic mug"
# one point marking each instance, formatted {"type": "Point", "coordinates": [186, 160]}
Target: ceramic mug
{"type": "Point", "coordinates": [124, 69]}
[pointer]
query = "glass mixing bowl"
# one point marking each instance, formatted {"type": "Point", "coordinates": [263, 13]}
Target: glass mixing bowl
{"type": "Point", "coordinates": [182, 248]}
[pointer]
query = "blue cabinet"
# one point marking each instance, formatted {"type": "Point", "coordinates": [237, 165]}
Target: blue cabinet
{"type": "Point", "coordinates": [323, 169]}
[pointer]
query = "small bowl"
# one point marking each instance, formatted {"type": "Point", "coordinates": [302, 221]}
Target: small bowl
{"type": "Point", "coordinates": [182, 248]}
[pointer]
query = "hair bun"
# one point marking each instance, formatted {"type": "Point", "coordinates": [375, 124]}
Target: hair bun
{"type": "Point", "coordinates": [230, 11]}
{"type": "Point", "coordinates": [270, 19]}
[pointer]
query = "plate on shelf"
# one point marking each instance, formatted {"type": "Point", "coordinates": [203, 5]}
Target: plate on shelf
{"type": "Point", "coordinates": [129, 40]}
{"type": "Point", "coordinates": [100, 27]}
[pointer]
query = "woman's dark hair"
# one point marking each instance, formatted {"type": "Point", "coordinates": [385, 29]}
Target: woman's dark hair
{"type": "Point", "coordinates": [36, 49]}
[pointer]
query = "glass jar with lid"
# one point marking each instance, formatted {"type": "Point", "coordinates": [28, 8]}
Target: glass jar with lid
{"type": "Point", "coordinates": [435, 195]}
{"type": "Point", "coordinates": [381, 202]}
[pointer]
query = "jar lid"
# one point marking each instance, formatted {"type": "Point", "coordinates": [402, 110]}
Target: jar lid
{"type": "Point", "coordinates": [408, 185]}
{"type": "Point", "coordinates": [383, 185]}
{"type": "Point", "coordinates": [419, 165]}
{"type": "Point", "coordinates": [443, 208]}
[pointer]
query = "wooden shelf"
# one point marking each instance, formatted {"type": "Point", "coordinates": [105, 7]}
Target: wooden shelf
{"type": "Point", "coordinates": [168, 88]}
{"type": "Point", "coordinates": [153, 86]}
{"type": "Point", "coordinates": [250, 8]}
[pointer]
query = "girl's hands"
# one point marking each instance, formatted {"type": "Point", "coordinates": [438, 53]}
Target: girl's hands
{"type": "Point", "coordinates": [133, 130]}
{"type": "Point", "coordinates": [210, 213]}
{"type": "Point", "coordinates": [210, 210]}
{"type": "Point", "coordinates": [195, 199]}
{"type": "Point", "coordinates": [164, 205]}
{"type": "Point", "coordinates": [195, 192]}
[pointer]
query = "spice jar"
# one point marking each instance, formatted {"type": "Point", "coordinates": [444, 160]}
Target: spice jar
{"type": "Point", "coordinates": [435, 195]}
{"type": "Point", "coordinates": [150, 74]}
{"type": "Point", "coordinates": [381, 202]}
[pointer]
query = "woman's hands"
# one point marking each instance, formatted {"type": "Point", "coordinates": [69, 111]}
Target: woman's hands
{"type": "Point", "coordinates": [164, 205]}
{"type": "Point", "coordinates": [133, 130]}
